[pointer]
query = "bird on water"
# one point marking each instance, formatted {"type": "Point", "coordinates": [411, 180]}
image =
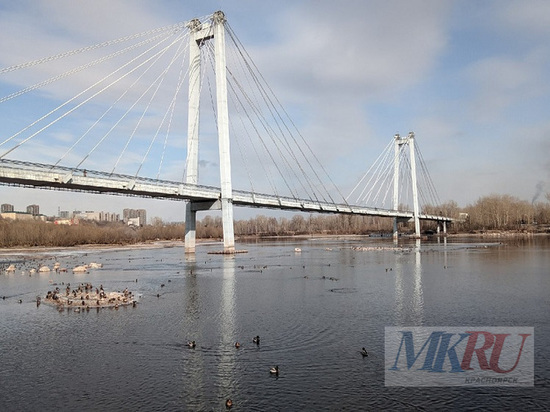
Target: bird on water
{"type": "Point", "coordinates": [364, 352]}
{"type": "Point", "coordinates": [274, 371]}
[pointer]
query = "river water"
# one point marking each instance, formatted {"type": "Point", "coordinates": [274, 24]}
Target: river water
{"type": "Point", "coordinates": [310, 325]}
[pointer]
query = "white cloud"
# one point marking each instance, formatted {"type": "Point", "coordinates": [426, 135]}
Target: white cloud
{"type": "Point", "coordinates": [526, 18]}
{"type": "Point", "coordinates": [500, 82]}
{"type": "Point", "coordinates": [362, 49]}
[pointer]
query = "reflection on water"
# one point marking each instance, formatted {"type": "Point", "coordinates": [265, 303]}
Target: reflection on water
{"type": "Point", "coordinates": [418, 299]}
{"type": "Point", "coordinates": [226, 366]}
{"type": "Point", "coordinates": [314, 311]}
{"type": "Point", "coordinates": [409, 300]}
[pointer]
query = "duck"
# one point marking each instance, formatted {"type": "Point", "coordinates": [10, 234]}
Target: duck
{"type": "Point", "coordinates": [191, 344]}
{"type": "Point", "coordinates": [274, 371]}
{"type": "Point", "coordinates": [229, 404]}
{"type": "Point", "coordinates": [256, 340]}
{"type": "Point", "coordinates": [237, 345]}
{"type": "Point", "coordinates": [364, 352]}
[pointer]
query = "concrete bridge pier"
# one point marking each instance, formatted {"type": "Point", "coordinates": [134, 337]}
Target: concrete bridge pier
{"type": "Point", "coordinates": [397, 220]}
{"type": "Point", "coordinates": [190, 228]}
{"type": "Point", "coordinates": [442, 226]}
{"type": "Point", "coordinates": [191, 209]}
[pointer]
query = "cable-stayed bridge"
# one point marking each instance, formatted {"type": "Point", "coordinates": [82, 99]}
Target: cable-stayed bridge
{"type": "Point", "coordinates": [106, 120]}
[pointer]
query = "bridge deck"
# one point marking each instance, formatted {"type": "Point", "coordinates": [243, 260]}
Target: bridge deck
{"type": "Point", "coordinates": [60, 178]}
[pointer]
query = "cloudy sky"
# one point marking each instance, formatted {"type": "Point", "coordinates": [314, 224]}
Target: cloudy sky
{"type": "Point", "coordinates": [470, 78]}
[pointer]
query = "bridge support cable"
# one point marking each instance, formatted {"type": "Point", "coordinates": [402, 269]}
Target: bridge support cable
{"type": "Point", "coordinates": [81, 68]}
{"type": "Point", "coordinates": [160, 80]}
{"type": "Point", "coordinates": [181, 78]}
{"type": "Point", "coordinates": [270, 153]}
{"type": "Point", "coordinates": [171, 28]}
{"type": "Point", "coordinates": [432, 196]}
{"type": "Point", "coordinates": [368, 174]}
{"type": "Point", "coordinates": [379, 193]}
{"type": "Point", "coordinates": [277, 111]}
{"type": "Point", "coordinates": [105, 113]}
{"type": "Point", "coordinates": [77, 106]}
{"type": "Point", "coordinates": [248, 106]}
{"type": "Point", "coordinates": [379, 177]}
{"type": "Point", "coordinates": [279, 140]}
{"type": "Point", "coordinates": [157, 82]}
{"type": "Point", "coordinates": [255, 112]}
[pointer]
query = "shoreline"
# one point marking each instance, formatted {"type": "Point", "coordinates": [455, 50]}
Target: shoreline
{"type": "Point", "coordinates": [160, 244]}
{"type": "Point", "coordinates": [91, 247]}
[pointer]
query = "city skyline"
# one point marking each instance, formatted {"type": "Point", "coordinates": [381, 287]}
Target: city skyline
{"type": "Point", "coordinates": [127, 213]}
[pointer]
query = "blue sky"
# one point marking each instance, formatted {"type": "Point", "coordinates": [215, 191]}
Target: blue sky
{"type": "Point", "coordinates": [470, 78]}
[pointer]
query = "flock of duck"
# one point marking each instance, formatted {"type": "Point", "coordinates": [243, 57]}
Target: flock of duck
{"type": "Point", "coordinates": [274, 370]}
{"type": "Point", "coordinates": [81, 298]}
{"type": "Point", "coordinates": [85, 296]}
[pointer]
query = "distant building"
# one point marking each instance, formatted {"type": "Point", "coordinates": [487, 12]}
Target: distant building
{"type": "Point", "coordinates": [109, 217]}
{"type": "Point", "coordinates": [463, 217]}
{"type": "Point", "coordinates": [133, 221]}
{"type": "Point", "coordinates": [69, 222]}
{"type": "Point", "coordinates": [64, 214]}
{"type": "Point", "coordinates": [33, 210]}
{"type": "Point", "coordinates": [140, 214]}
{"type": "Point", "coordinates": [97, 216]}
{"type": "Point", "coordinates": [90, 215]}
{"type": "Point", "coordinates": [6, 207]}
{"type": "Point", "coordinates": [17, 216]}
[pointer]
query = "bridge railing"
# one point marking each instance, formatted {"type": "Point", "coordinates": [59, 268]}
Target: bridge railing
{"type": "Point", "coordinates": [65, 178]}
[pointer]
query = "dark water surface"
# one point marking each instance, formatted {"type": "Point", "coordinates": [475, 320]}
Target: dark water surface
{"type": "Point", "coordinates": [312, 328]}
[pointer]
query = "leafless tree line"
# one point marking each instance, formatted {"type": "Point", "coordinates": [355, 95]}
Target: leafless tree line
{"type": "Point", "coordinates": [37, 233]}
{"type": "Point", "coordinates": [493, 212]}
{"type": "Point", "coordinates": [497, 212]}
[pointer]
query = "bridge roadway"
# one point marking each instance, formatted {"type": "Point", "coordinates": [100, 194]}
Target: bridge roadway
{"type": "Point", "coordinates": [37, 175]}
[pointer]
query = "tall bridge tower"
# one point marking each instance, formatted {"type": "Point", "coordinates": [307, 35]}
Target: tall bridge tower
{"type": "Point", "coordinates": [399, 143]}
{"type": "Point", "coordinates": [200, 33]}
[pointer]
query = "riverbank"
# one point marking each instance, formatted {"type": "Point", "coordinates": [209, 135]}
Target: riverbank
{"type": "Point", "coordinates": [160, 244]}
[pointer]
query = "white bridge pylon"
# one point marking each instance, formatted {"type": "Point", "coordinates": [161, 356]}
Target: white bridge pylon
{"type": "Point", "coordinates": [399, 143]}
{"type": "Point", "coordinates": [200, 33]}
{"type": "Point", "coordinates": [399, 181]}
